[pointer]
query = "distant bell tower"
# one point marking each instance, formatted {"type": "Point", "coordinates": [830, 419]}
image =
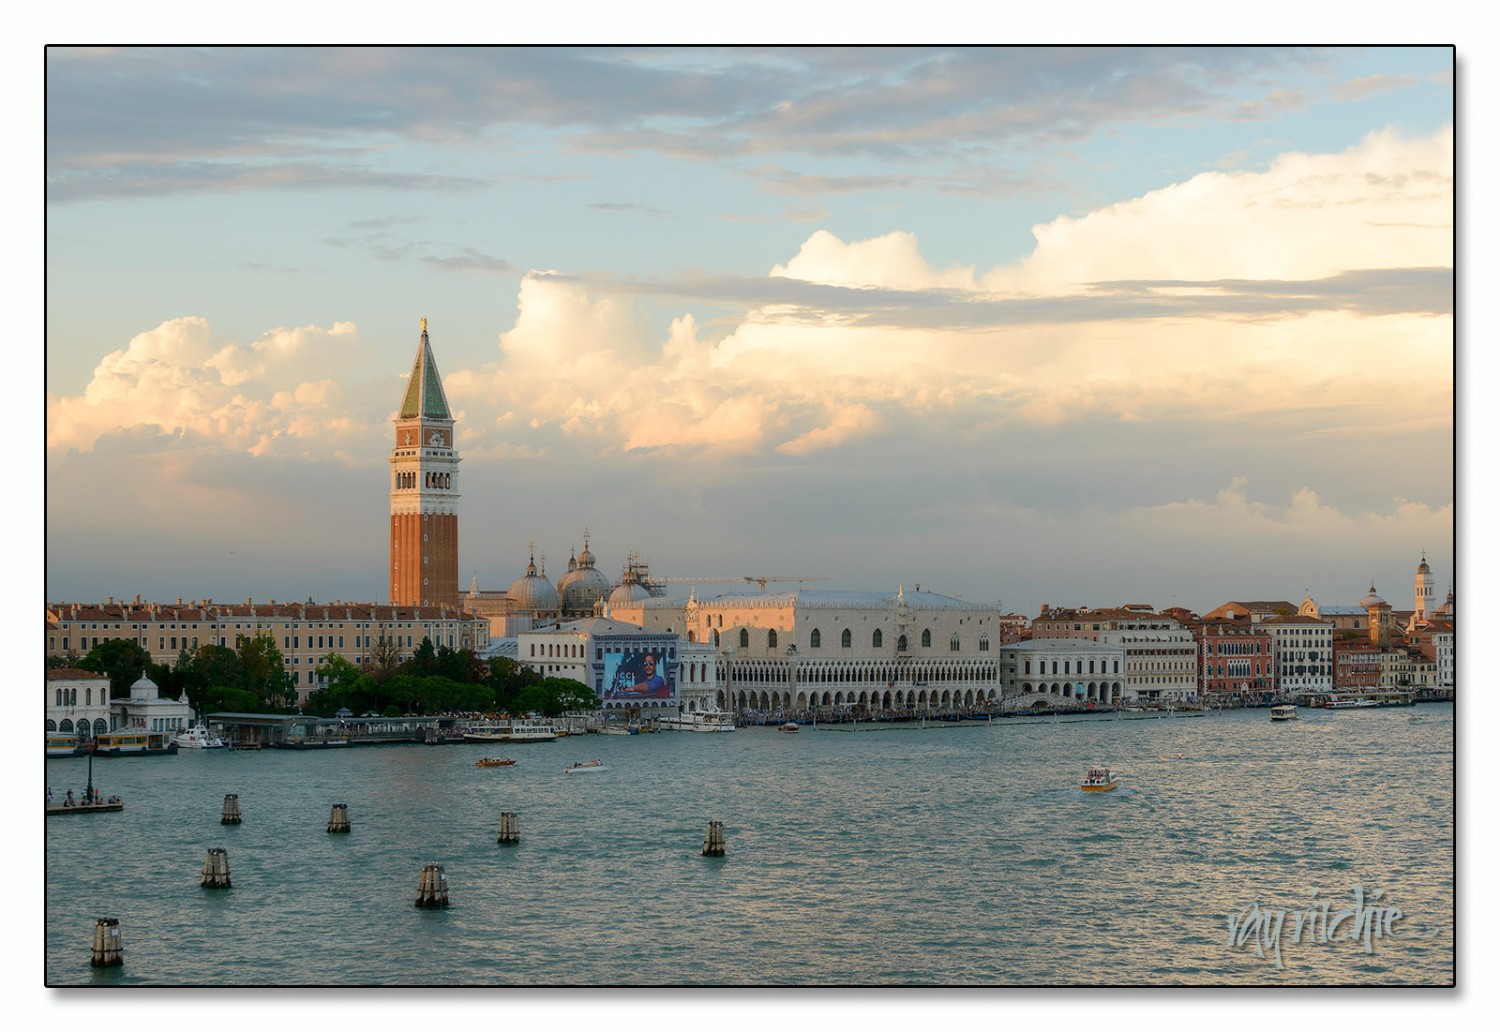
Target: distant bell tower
{"type": "Point", "coordinates": [1423, 597]}
{"type": "Point", "coordinates": [424, 491]}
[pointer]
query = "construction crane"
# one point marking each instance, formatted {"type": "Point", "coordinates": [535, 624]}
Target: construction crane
{"type": "Point", "coordinates": [762, 581]}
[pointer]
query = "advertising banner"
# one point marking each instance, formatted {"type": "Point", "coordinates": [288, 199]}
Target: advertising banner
{"type": "Point", "coordinates": [640, 675]}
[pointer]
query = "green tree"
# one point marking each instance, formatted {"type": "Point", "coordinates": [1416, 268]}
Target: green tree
{"type": "Point", "coordinates": [531, 699]}
{"type": "Point", "coordinates": [212, 667]}
{"type": "Point", "coordinates": [265, 674]}
{"type": "Point", "coordinates": [122, 659]}
{"type": "Point", "coordinates": [564, 694]}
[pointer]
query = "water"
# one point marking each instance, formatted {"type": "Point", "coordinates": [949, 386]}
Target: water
{"type": "Point", "coordinates": [957, 856]}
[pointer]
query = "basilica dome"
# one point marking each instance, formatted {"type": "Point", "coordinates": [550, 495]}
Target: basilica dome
{"type": "Point", "coordinates": [533, 593]}
{"type": "Point", "coordinates": [1372, 599]}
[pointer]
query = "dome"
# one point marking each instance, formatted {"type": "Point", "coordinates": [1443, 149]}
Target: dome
{"type": "Point", "coordinates": [627, 592]}
{"type": "Point", "coordinates": [533, 592]}
{"type": "Point", "coordinates": [584, 588]}
{"type": "Point", "coordinates": [630, 589]}
{"type": "Point", "coordinates": [1372, 599]}
{"type": "Point", "coordinates": [1424, 568]}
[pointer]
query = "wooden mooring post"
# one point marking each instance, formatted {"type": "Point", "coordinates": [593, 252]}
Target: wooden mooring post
{"type": "Point", "coordinates": [216, 869]}
{"type": "Point", "coordinates": [231, 813]}
{"type": "Point", "coordinates": [108, 950]}
{"type": "Point", "coordinates": [338, 818]}
{"type": "Point", "coordinates": [432, 888]}
{"type": "Point", "coordinates": [510, 829]}
{"type": "Point", "coordinates": [713, 841]}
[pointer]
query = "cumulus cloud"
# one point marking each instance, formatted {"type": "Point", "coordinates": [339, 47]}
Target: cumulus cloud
{"type": "Point", "coordinates": [280, 392]}
{"type": "Point", "coordinates": [1385, 203]}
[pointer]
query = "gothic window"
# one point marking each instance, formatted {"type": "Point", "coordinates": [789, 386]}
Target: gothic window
{"type": "Point", "coordinates": [984, 643]}
{"type": "Point", "coordinates": [848, 639]}
{"type": "Point", "coordinates": [875, 639]}
{"type": "Point", "coordinates": [926, 639]}
{"type": "Point", "coordinates": [817, 638]}
{"type": "Point", "coordinates": [770, 639]}
{"type": "Point", "coordinates": [953, 644]}
{"type": "Point", "coordinates": [744, 638]}
{"type": "Point", "coordinates": [900, 643]}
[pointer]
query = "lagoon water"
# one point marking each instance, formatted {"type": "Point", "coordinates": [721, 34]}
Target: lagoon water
{"type": "Point", "coordinates": [959, 855]}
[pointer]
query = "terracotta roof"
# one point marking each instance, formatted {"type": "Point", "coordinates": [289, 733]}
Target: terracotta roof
{"type": "Point", "coordinates": [73, 674]}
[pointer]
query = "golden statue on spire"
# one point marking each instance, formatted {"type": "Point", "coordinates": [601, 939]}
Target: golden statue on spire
{"type": "Point", "coordinates": [424, 325]}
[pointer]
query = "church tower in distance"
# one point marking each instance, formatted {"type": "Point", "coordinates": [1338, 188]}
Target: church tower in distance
{"type": "Point", "coordinates": [424, 492]}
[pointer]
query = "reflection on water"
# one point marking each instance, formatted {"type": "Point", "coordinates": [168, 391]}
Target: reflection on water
{"type": "Point", "coordinates": [956, 856]}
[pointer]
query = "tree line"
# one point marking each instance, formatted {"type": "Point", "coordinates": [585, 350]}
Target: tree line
{"type": "Point", "coordinates": [252, 678]}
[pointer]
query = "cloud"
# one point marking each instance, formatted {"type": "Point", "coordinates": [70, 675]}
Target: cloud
{"type": "Point", "coordinates": [133, 122]}
{"type": "Point", "coordinates": [1384, 203]}
{"type": "Point", "coordinates": [1370, 85]}
{"type": "Point", "coordinates": [279, 393]}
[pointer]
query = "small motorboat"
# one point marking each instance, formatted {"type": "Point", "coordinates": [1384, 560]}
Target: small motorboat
{"type": "Point", "coordinates": [790, 727]}
{"type": "Point", "coordinates": [1285, 712]}
{"type": "Point", "coordinates": [1099, 779]}
{"type": "Point", "coordinates": [198, 737]}
{"type": "Point", "coordinates": [586, 765]}
{"type": "Point", "coordinates": [495, 761]}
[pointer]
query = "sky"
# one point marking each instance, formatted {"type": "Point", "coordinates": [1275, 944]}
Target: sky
{"type": "Point", "coordinates": [1077, 326]}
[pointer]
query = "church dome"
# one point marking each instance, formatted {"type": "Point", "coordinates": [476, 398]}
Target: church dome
{"type": "Point", "coordinates": [533, 592]}
{"type": "Point", "coordinates": [585, 588]}
{"type": "Point", "coordinates": [630, 589]}
{"type": "Point", "coordinates": [1372, 599]}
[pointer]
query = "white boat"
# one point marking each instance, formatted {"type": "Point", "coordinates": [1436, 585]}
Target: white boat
{"type": "Point", "coordinates": [703, 721]}
{"type": "Point", "coordinates": [790, 727]}
{"type": "Point", "coordinates": [584, 767]}
{"type": "Point", "coordinates": [1354, 702]}
{"type": "Point", "coordinates": [513, 731]}
{"type": "Point", "coordinates": [198, 738]}
{"type": "Point", "coordinates": [1099, 779]}
{"type": "Point", "coordinates": [1287, 712]}
{"type": "Point", "coordinates": [614, 729]}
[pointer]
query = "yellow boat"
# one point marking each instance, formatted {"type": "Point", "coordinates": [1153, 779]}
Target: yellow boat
{"type": "Point", "coordinates": [1099, 779]}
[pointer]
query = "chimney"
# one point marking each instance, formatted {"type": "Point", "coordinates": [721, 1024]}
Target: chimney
{"type": "Point", "coordinates": [109, 600]}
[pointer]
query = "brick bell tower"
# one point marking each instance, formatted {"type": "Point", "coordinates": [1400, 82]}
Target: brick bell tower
{"type": "Point", "coordinates": [424, 491]}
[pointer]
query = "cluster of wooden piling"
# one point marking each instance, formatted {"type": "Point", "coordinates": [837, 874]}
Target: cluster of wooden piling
{"type": "Point", "coordinates": [432, 887]}
{"type": "Point", "coordinates": [231, 813]}
{"type": "Point", "coordinates": [216, 869]}
{"type": "Point", "coordinates": [713, 841]}
{"type": "Point", "coordinates": [510, 830]}
{"type": "Point", "coordinates": [338, 818]}
{"type": "Point", "coordinates": [108, 950]}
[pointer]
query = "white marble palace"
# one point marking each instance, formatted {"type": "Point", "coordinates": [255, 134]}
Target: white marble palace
{"type": "Point", "coordinates": [805, 650]}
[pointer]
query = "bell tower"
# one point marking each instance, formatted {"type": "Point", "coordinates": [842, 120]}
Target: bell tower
{"type": "Point", "coordinates": [424, 491]}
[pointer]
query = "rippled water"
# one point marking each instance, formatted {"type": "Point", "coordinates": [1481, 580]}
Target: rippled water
{"type": "Point", "coordinates": [956, 856]}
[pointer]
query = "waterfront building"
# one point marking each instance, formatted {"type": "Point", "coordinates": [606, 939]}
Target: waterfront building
{"type": "Point", "coordinates": [611, 657]}
{"type": "Point", "coordinates": [835, 651]}
{"type": "Point", "coordinates": [305, 633]}
{"type": "Point", "coordinates": [1407, 669]}
{"type": "Point", "coordinates": [77, 702]}
{"type": "Point", "coordinates": [145, 707]}
{"type": "Point", "coordinates": [1356, 664]}
{"type": "Point", "coordinates": [424, 491]}
{"type": "Point", "coordinates": [1235, 659]}
{"type": "Point", "coordinates": [1435, 640]}
{"type": "Point", "coordinates": [1077, 668]}
{"type": "Point", "coordinates": [1303, 651]}
{"type": "Point", "coordinates": [1161, 657]}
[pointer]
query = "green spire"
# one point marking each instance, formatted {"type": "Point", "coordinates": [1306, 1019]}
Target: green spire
{"type": "Point", "coordinates": [424, 391]}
